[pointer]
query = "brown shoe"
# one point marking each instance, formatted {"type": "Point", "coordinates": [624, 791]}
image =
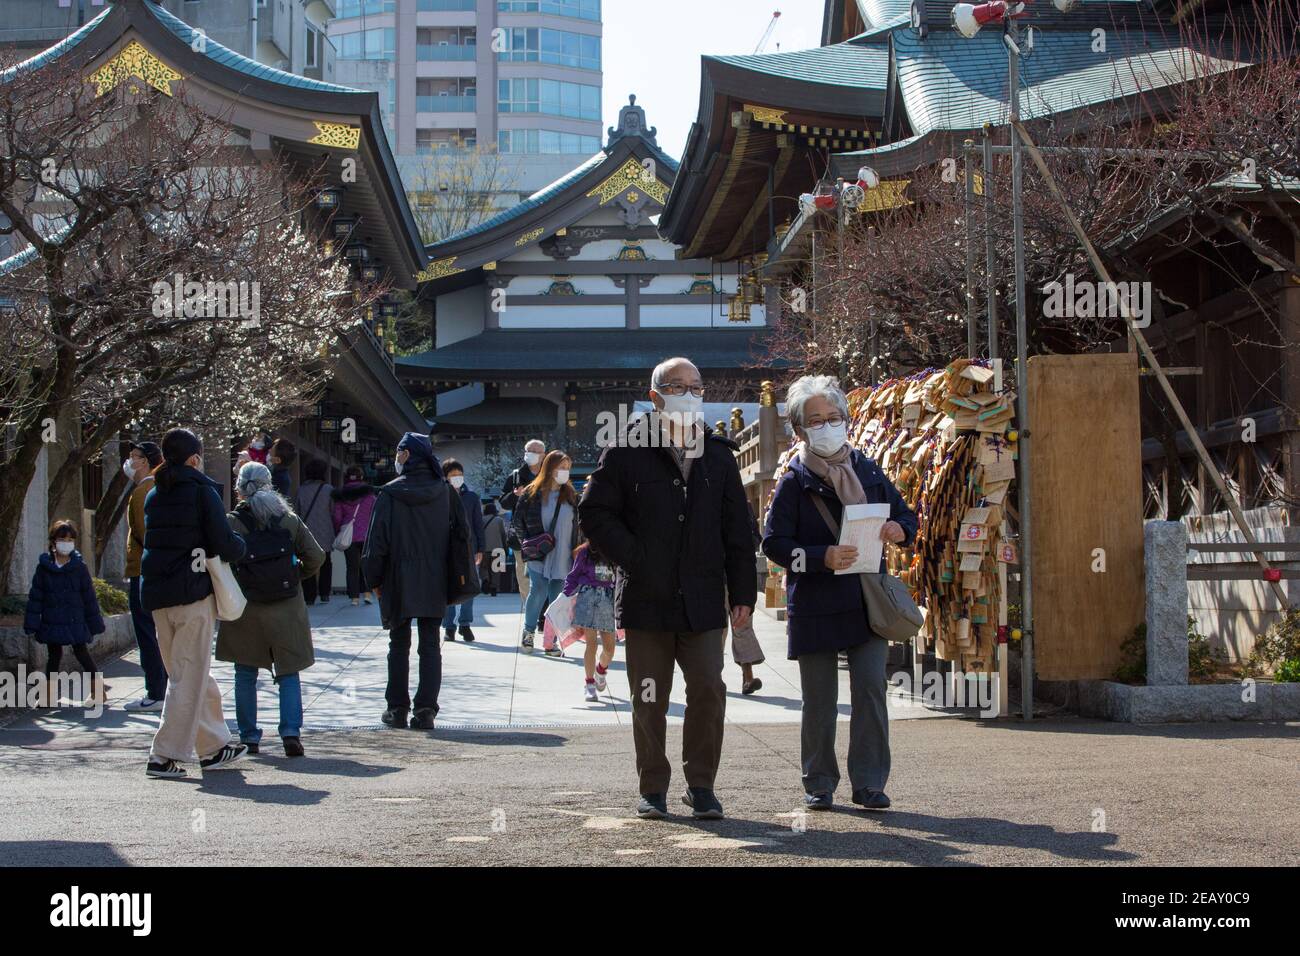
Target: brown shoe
{"type": "Point", "coordinates": [293, 747]}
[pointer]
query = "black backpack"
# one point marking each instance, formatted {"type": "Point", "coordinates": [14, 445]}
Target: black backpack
{"type": "Point", "coordinates": [267, 573]}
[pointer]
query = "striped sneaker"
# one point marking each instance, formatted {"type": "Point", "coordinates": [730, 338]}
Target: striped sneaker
{"type": "Point", "coordinates": [164, 769]}
{"type": "Point", "coordinates": [223, 758]}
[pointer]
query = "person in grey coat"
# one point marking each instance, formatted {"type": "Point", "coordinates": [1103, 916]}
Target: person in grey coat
{"type": "Point", "coordinates": [494, 548]}
{"type": "Point", "coordinates": [314, 504]}
{"type": "Point", "coordinates": [405, 561]}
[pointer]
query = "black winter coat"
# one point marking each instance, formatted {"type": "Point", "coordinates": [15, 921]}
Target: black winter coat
{"type": "Point", "coordinates": [526, 522]}
{"type": "Point", "coordinates": [61, 606]}
{"type": "Point", "coordinates": [680, 550]}
{"type": "Point", "coordinates": [406, 546]}
{"type": "Point", "coordinates": [187, 517]}
{"type": "Point", "coordinates": [521, 477]}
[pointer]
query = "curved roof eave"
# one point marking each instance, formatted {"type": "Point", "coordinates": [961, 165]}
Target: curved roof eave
{"type": "Point", "coordinates": [569, 186]}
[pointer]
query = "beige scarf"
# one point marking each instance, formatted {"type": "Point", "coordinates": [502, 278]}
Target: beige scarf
{"type": "Point", "coordinates": [838, 470]}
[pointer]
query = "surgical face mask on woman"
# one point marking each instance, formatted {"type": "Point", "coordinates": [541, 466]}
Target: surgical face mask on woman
{"type": "Point", "coordinates": [65, 547]}
{"type": "Point", "coordinates": [531, 458]}
{"type": "Point", "coordinates": [826, 439]}
{"type": "Point", "coordinates": [457, 481]}
{"type": "Point", "coordinates": [561, 476]}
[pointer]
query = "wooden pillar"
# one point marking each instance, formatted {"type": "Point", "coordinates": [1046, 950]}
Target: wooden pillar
{"type": "Point", "coordinates": [1289, 310]}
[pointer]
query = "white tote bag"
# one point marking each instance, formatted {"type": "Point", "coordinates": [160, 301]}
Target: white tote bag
{"type": "Point", "coordinates": [343, 540]}
{"type": "Point", "coordinates": [230, 598]}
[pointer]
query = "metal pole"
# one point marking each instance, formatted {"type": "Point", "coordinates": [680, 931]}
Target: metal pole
{"type": "Point", "coordinates": [1022, 390]}
{"type": "Point", "coordinates": [969, 210]}
{"type": "Point", "coordinates": [990, 256]}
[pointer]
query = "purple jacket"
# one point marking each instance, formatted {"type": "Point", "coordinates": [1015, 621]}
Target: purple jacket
{"type": "Point", "coordinates": [353, 502]}
{"type": "Point", "coordinates": [583, 574]}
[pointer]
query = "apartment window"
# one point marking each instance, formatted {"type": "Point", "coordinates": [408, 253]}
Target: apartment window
{"type": "Point", "coordinates": [531, 45]}
{"type": "Point", "coordinates": [581, 9]}
{"type": "Point", "coordinates": [312, 44]}
{"type": "Point", "coordinates": [377, 44]}
{"type": "Point", "coordinates": [546, 141]}
{"type": "Point", "coordinates": [357, 8]}
{"type": "Point", "coordinates": [556, 97]}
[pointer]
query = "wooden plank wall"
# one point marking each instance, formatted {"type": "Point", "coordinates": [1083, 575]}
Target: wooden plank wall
{"type": "Point", "coordinates": [1086, 459]}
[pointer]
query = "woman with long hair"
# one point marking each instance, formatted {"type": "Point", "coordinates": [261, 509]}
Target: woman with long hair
{"type": "Point", "coordinates": [545, 524]}
{"type": "Point", "coordinates": [273, 633]}
{"type": "Point", "coordinates": [352, 507]}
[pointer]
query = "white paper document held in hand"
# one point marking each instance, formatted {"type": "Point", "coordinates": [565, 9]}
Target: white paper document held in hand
{"type": "Point", "coordinates": [860, 528]}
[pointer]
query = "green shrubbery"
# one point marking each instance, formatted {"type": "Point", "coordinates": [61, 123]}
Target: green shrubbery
{"type": "Point", "coordinates": [1203, 662]}
{"type": "Point", "coordinates": [1277, 650]}
{"type": "Point", "coordinates": [111, 600]}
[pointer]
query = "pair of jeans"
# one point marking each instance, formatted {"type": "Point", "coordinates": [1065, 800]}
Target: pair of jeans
{"type": "Point", "coordinates": [146, 638]}
{"type": "Point", "coordinates": [541, 592]}
{"type": "Point", "coordinates": [398, 693]}
{"type": "Point", "coordinates": [819, 679]}
{"type": "Point", "coordinates": [290, 687]}
{"type": "Point", "coordinates": [466, 614]}
{"type": "Point", "coordinates": [321, 584]}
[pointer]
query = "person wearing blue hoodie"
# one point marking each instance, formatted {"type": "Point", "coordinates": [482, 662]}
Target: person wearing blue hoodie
{"type": "Point", "coordinates": [62, 610]}
{"type": "Point", "coordinates": [405, 561]}
{"type": "Point", "coordinates": [184, 526]}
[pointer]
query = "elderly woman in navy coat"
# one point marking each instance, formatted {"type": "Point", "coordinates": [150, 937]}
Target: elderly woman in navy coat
{"type": "Point", "coordinates": [826, 612]}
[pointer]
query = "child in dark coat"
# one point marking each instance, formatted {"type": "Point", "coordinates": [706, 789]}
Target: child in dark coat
{"type": "Point", "coordinates": [62, 610]}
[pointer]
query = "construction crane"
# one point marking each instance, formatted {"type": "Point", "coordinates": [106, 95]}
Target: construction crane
{"type": "Point", "coordinates": [767, 34]}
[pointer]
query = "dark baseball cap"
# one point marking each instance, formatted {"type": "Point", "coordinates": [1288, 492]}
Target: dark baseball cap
{"type": "Point", "coordinates": [151, 452]}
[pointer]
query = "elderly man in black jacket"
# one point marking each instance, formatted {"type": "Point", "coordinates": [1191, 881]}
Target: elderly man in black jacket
{"type": "Point", "coordinates": [666, 505]}
{"type": "Point", "coordinates": [405, 559]}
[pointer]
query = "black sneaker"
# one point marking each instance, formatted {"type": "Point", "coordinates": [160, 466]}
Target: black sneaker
{"type": "Point", "coordinates": [871, 799]}
{"type": "Point", "coordinates": [704, 805]}
{"type": "Point", "coordinates": [164, 769]}
{"type": "Point", "coordinates": [223, 758]}
{"type": "Point", "coordinates": [252, 747]}
{"type": "Point", "coordinates": [466, 634]}
{"type": "Point", "coordinates": [293, 747]}
{"type": "Point", "coordinates": [449, 633]}
{"type": "Point", "coordinates": [423, 719]}
{"type": "Point", "coordinates": [395, 717]}
{"type": "Point", "coordinates": [653, 806]}
{"type": "Point", "coordinates": [818, 801]}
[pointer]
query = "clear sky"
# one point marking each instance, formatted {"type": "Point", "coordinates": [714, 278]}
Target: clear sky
{"type": "Point", "coordinates": [653, 47]}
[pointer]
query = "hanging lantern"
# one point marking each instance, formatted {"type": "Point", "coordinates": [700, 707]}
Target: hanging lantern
{"type": "Point", "coordinates": [372, 272]}
{"type": "Point", "coordinates": [329, 198]}
{"type": "Point", "coordinates": [342, 226]}
{"type": "Point", "coordinates": [329, 246]}
{"type": "Point", "coordinates": [357, 252]}
{"type": "Point", "coordinates": [389, 309]}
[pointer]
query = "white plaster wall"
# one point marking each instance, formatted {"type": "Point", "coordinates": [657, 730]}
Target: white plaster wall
{"type": "Point", "coordinates": [32, 529]}
{"type": "Point", "coordinates": [537, 285]}
{"type": "Point", "coordinates": [460, 315]}
{"type": "Point", "coordinates": [569, 317]}
{"type": "Point", "coordinates": [695, 314]}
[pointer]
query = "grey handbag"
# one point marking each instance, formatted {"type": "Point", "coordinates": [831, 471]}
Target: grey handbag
{"type": "Point", "coordinates": [891, 612]}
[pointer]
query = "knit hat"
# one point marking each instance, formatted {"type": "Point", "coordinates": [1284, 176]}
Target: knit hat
{"type": "Point", "coordinates": [419, 446]}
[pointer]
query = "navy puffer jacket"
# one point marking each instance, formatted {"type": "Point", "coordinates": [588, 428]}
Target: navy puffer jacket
{"type": "Point", "coordinates": [185, 518]}
{"type": "Point", "coordinates": [61, 606]}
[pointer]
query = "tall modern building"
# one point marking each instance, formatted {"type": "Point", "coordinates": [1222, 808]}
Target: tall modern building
{"type": "Point", "coordinates": [521, 75]}
{"type": "Point", "coordinates": [288, 35]}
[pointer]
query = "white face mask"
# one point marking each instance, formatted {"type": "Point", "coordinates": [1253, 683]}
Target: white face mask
{"type": "Point", "coordinates": [827, 439]}
{"type": "Point", "coordinates": [457, 481]}
{"type": "Point", "coordinates": [128, 469]}
{"type": "Point", "coordinates": [65, 547]}
{"type": "Point", "coordinates": [532, 457]}
{"type": "Point", "coordinates": [684, 409]}
{"type": "Point", "coordinates": [561, 476]}
{"type": "Point", "coordinates": [397, 466]}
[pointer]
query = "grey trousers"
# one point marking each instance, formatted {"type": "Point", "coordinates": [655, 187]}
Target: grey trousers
{"type": "Point", "coordinates": [868, 723]}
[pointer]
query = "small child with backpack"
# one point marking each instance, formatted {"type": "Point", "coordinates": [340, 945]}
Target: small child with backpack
{"type": "Point", "coordinates": [592, 580]}
{"type": "Point", "coordinates": [274, 632]}
{"type": "Point", "coordinates": [62, 610]}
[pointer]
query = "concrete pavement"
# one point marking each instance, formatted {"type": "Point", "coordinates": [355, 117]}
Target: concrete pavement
{"type": "Point", "coordinates": [522, 771]}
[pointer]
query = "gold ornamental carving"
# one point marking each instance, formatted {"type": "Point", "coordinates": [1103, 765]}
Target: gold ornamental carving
{"type": "Point", "coordinates": [134, 60]}
{"type": "Point", "coordinates": [631, 175]}
{"type": "Point", "coordinates": [336, 135]}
